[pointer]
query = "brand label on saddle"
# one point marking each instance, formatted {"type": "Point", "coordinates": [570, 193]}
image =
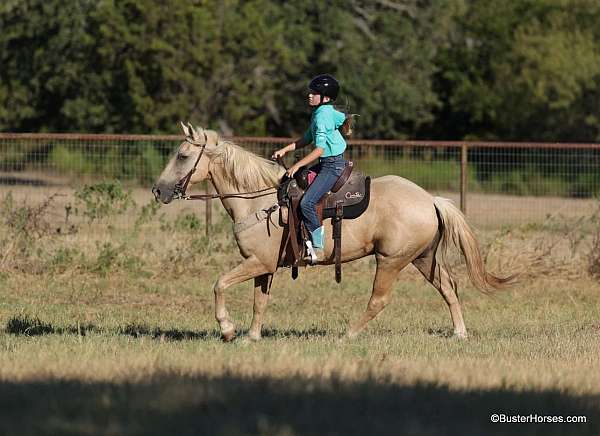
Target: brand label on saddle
{"type": "Point", "coordinates": [350, 195]}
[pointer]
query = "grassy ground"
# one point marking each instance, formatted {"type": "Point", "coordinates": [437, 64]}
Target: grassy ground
{"type": "Point", "coordinates": [122, 340]}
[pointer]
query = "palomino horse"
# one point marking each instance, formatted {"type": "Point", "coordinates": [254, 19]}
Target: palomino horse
{"type": "Point", "coordinates": [403, 224]}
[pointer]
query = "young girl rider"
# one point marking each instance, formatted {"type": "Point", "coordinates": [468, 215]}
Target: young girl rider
{"type": "Point", "coordinates": [324, 133]}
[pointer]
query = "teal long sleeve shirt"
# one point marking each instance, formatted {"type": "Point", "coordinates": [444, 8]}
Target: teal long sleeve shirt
{"type": "Point", "coordinates": [323, 131]}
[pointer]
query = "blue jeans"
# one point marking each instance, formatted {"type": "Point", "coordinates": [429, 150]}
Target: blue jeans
{"type": "Point", "coordinates": [329, 170]}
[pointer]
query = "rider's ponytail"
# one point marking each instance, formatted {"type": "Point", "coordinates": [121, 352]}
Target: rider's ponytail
{"type": "Point", "coordinates": [348, 126]}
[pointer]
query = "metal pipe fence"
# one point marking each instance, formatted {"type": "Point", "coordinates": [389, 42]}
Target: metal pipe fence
{"type": "Point", "coordinates": [495, 183]}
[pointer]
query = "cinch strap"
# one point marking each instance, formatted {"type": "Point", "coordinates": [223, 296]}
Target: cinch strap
{"type": "Point", "coordinates": [253, 219]}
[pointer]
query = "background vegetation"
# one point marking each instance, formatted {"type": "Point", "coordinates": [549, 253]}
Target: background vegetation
{"type": "Point", "coordinates": [451, 69]}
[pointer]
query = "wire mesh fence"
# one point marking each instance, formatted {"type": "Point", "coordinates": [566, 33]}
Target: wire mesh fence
{"type": "Point", "coordinates": [496, 183]}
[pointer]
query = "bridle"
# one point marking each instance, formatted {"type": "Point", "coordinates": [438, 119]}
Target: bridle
{"type": "Point", "coordinates": [179, 191]}
{"type": "Point", "coordinates": [181, 186]}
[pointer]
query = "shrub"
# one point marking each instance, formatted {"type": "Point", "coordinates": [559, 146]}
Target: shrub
{"type": "Point", "coordinates": [188, 222]}
{"type": "Point", "coordinates": [25, 225]}
{"type": "Point", "coordinates": [149, 165]}
{"type": "Point", "coordinates": [104, 199]}
{"type": "Point", "coordinates": [146, 214]}
{"type": "Point", "coordinates": [63, 258]}
{"type": "Point", "coordinates": [70, 161]}
{"type": "Point", "coordinates": [107, 258]}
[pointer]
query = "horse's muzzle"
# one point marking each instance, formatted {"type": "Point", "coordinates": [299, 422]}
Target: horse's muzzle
{"type": "Point", "coordinates": [163, 195]}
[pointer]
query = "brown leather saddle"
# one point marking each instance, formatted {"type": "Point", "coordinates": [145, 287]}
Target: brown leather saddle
{"type": "Point", "coordinates": [348, 199]}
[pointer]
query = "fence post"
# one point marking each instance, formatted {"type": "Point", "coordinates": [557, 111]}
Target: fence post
{"type": "Point", "coordinates": [463, 178]}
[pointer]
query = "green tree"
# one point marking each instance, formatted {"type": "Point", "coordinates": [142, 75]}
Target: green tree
{"type": "Point", "coordinates": [522, 70]}
{"type": "Point", "coordinates": [242, 67]}
{"type": "Point", "coordinates": [382, 51]}
{"type": "Point", "coordinates": [43, 58]}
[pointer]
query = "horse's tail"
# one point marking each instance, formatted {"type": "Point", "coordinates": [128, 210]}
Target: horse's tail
{"type": "Point", "coordinates": [456, 230]}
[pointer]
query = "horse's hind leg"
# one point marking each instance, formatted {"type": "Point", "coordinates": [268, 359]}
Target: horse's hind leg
{"type": "Point", "coordinates": [388, 269]}
{"type": "Point", "coordinates": [441, 279]}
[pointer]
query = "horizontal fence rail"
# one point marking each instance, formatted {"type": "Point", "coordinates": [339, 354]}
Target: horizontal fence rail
{"type": "Point", "coordinates": [504, 182]}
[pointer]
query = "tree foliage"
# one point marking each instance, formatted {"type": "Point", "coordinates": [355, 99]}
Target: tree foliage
{"type": "Point", "coordinates": [524, 69]}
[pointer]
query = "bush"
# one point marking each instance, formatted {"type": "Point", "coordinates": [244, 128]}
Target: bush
{"type": "Point", "coordinates": [149, 165]}
{"type": "Point", "coordinates": [64, 258]}
{"type": "Point", "coordinates": [70, 161]}
{"type": "Point", "coordinates": [104, 199]}
{"type": "Point", "coordinates": [24, 227]}
{"type": "Point", "coordinates": [188, 222]}
{"type": "Point", "coordinates": [107, 258]}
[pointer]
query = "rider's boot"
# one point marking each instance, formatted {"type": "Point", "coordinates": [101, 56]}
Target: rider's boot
{"type": "Point", "coordinates": [315, 247]}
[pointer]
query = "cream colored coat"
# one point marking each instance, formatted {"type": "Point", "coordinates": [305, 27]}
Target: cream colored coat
{"type": "Point", "coordinates": [403, 224]}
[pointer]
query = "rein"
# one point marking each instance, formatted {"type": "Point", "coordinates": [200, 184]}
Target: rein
{"type": "Point", "coordinates": [231, 195]}
{"type": "Point", "coordinates": [181, 186]}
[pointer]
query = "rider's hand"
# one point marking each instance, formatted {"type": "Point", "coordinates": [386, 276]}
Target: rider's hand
{"type": "Point", "coordinates": [292, 170]}
{"type": "Point", "coordinates": [277, 154]}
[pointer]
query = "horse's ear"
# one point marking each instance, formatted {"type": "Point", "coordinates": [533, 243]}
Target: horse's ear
{"type": "Point", "coordinates": [186, 130]}
{"type": "Point", "coordinates": [198, 134]}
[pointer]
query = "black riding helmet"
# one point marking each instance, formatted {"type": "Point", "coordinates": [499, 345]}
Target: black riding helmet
{"type": "Point", "coordinates": [325, 84]}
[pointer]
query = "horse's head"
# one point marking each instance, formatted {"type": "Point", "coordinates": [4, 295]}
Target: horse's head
{"type": "Point", "coordinates": [189, 165]}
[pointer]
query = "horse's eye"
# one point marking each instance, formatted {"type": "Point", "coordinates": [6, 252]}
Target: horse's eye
{"type": "Point", "coordinates": [181, 156]}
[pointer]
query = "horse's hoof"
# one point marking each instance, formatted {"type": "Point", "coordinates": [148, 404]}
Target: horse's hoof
{"type": "Point", "coordinates": [461, 335]}
{"type": "Point", "coordinates": [349, 336]}
{"type": "Point", "coordinates": [228, 336]}
{"type": "Point", "coordinates": [249, 340]}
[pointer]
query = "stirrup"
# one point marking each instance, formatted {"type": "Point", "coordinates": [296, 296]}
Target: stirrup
{"type": "Point", "coordinates": [312, 253]}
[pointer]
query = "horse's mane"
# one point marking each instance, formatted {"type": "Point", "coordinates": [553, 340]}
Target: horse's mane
{"type": "Point", "coordinates": [246, 170]}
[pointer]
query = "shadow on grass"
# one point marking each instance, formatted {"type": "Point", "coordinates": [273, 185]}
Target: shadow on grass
{"type": "Point", "coordinates": [313, 332]}
{"type": "Point", "coordinates": [24, 325]}
{"type": "Point", "coordinates": [232, 405]}
{"type": "Point", "coordinates": [140, 330]}
{"type": "Point", "coordinates": [441, 332]}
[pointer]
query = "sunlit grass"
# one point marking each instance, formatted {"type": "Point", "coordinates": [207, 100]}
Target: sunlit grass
{"type": "Point", "coordinates": [92, 339]}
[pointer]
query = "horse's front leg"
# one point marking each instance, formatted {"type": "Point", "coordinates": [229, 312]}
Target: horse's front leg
{"type": "Point", "coordinates": [249, 268]}
{"type": "Point", "coordinates": [261, 298]}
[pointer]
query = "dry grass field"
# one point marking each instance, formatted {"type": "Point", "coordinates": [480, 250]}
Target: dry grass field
{"type": "Point", "coordinates": [108, 328]}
